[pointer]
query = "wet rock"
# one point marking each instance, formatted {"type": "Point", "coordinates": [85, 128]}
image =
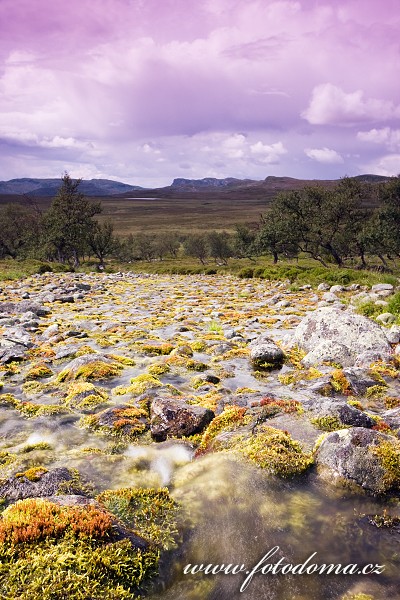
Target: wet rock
{"type": "Point", "coordinates": [330, 411]}
{"type": "Point", "coordinates": [350, 334]}
{"type": "Point", "coordinates": [170, 417]}
{"type": "Point", "coordinates": [265, 353]}
{"type": "Point", "coordinates": [359, 379]}
{"type": "Point", "coordinates": [39, 482]}
{"type": "Point", "coordinates": [362, 456]}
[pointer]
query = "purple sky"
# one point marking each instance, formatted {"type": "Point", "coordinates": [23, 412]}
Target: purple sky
{"type": "Point", "coordinates": [147, 90]}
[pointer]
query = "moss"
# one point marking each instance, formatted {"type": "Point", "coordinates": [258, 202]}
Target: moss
{"type": "Point", "coordinates": [156, 349]}
{"type": "Point", "coordinates": [230, 419]}
{"type": "Point", "coordinates": [29, 409]}
{"type": "Point", "coordinates": [380, 369]}
{"type": "Point", "coordinates": [272, 406]}
{"type": "Point", "coordinates": [358, 597]}
{"type": "Point", "coordinates": [159, 369]}
{"type": "Point", "coordinates": [35, 387]}
{"type": "Point", "coordinates": [182, 350]}
{"type": "Point", "coordinates": [198, 346]}
{"type": "Point", "coordinates": [128, 422]}
{"type": "Point", "coordinates": [140, 384]}
{"type": "Point", "coordinates": [83, 395]}
{"type": "Point", "coordinates": [33, 447]}
{"type": "Point", "coordinates": [150, 512]}
{"type": "Point", "coordinates": [38, 372]}
{"type": "Point", "coordinates": [376, 391]}
{"type": "Point", "coordinates": [85, 349]}
{"type": "Point", "coordinates": [299, 375]}
{"type": "Point", "coordinates": [123, 360]}
{"type": "Point", "coordinates": [97, 370]}
{"type": "Point", "coordinates": [69, 552]}
{"type": "Point", "coordinates": [391, 401]}
{"type": "Point", "coordinates": [33, 474]}
{"type": "Point", "coordinates": [195, 365]}
{"type": "Point", "coordinates": [327, 423]}
{"type": "Point", "coordinates": [388, 453]}
{"type": "Point", "coordinates": [294, 356]}
{"type": "Point", "coordinates": [340, 383]}
{"type": "Point", "coordinates": [273, 450]}
{"type": "Point", "coordinates": [1, 384]}
{"type": "Point", "coordinates": [6, 458]}
{"type": "Point", "coordinates": [356, 403]}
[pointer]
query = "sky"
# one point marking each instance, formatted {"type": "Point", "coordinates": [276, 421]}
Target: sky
{"type": "Point", "coordinates": [144, 91]}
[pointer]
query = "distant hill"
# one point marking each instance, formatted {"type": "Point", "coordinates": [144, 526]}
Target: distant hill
{"type": "Point", "coordinates": [49, 187]}
{"type": "Point", "coordinates": [235, 189]}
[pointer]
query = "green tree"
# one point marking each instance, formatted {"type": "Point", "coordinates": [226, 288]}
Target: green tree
{"type": "Point", "coordinates": [19, 229]}
{"type": "Point", "coordinates": [69, 222]}
{"type": "Point", "coordinates": [195, 245]}
{"type": "Point", "coordinates": [101, 241]}
{"type": "Point", "coordinates": [219, 246]}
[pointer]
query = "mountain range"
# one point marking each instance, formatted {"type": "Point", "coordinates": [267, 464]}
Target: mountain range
{"type": "Point", "coordinates": [180, 187]}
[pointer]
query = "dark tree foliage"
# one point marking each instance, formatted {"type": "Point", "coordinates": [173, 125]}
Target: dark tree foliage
{"type": "Point", "coordinates": [19, 228]}
{"type": "Point", "coordinates": [69, 222]}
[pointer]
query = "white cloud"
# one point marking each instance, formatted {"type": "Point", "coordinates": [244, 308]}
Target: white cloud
{"type": "Point", "coordinates": [387, 136]}
{"type": "Point", "coordinates": [388, 165]}
{"type": "Point", "coordinates": [324, 155]}
{"type": "Point", "coordinates": [330, 105]}
{"type": "Point", "coordinates": [268, 154]}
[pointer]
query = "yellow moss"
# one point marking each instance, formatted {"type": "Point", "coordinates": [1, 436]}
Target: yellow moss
{"type": "Point", "coordinates": [94, 370]}
{"type": "Point", "coordinates": [33, 474]}
{"type": "Point", "coordinates": [391, 401]}
{"type": "Point", "coordinates": [340, 383]}
{"type": "Point", "coordinates": [230, 419]}
{"type": "Point", "coordinates": [142, 383]}
{"type": "Point", "coordinates": [85, 349]}
{"type": "Point", "coordinates": [327, 423]}
{"type": "Point", "coordinates": [38, 371]}
{"type": "Point", "coordinates": [83, 395]}
{"type": "Point", "coordinates": [376, 391]}
{"type": "Point", "coordinates": [295, 355]}
{"type": "Point", "coordinates": [182, 350]}
{"type": "Point", "coordinates": [159, 369]}
{"type": "Point", "coordinates": [388, 453]}
{"type": "Point", "coordinates": [273, 450]}
{"type": "Point", "coordinates": [157, 349]}
{"type": "Point", "coordinates": [123, 360]}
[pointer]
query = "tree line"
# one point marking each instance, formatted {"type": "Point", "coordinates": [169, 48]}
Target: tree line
{"type": "Point", "coordinates": [331, 226]}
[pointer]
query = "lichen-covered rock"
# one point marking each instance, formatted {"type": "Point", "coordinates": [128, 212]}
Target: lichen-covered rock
{"type": "Point", "coordinates": [90, 366]}
{"type": "Point", "coordinates": [330, 414]}
{"type": "Point", "coordinates": [121, 421]}
{"type": "Point", "coordinates": [170, 417]}
{"type": "Point", "coordinates": [265, 353]}
{"type": "Point", "coordinates": [366, 457]}
{"type": "Point", "coordinates": [359, 379]}
{"type": "Point", "coordinates": [349, 334]}
{"type": "Point", "coordinates": [40, 482]}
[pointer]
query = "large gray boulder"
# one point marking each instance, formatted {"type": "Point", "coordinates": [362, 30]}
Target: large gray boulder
{"type": "Point", "coordinates": [366, 457]}
{"type": "Point", "coordinates": [340, 336]}
{"type": "Point", "coordinates": [170, 417]}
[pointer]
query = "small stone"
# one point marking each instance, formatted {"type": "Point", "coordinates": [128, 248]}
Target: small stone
{"type": "Point", "coordinates": [386, 318]}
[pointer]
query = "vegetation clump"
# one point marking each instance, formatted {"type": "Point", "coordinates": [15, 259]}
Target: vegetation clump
{"type": "Point", "coordinates": [68, 551]}
{"type": "Point", "coordinates": [273, 450]}
{"type": "Point", "coordinates": [83, 395]}
{"type": "Point", "coordinates": [96, 370]}
{"type": "Point", "coordinates": [139, 385]}
{"type": "Point", "coordinates": [150, 512]}
{"type": "Point", "coordinates": [327, 423]}
{"type": "Point", "coordinates": [230, 419]}
{"type": "Point", "coordinates": [38, 371]}
{"type": "Point", "coordinates": [388, 453]}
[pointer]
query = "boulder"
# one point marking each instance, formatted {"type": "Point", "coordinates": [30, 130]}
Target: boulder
{"type": "Point", "coordinates": [39, 482]}
{"type": "Point", "coordinates": [366, 457]}
{"type": "Point", "coordinates": [264, 353]}
{"type": "Point", "coordinates": [342, 335]}
{"type": "Point", "coordinates": [170, 417]}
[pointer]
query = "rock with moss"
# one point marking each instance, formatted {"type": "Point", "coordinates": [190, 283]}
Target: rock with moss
{"type": "Point", "coordinates": [90, 366]}
{"type": "Point", "coordinates": [366, 457]}
{"type": "Point", "coordinates": [41, 482]}
{"type": "Point", "coordinates": [273, 450]}
{"type": "Point", "coordinates": [266, 354]}
{"type": "Point", "coordinates": [329, 414]}
{"type": "Point", "coordinates": [349, 336]}
{"type": "Point", "coordinates": [175, 418]}
{"type": "Point", "coordinates": [85, 396]}
{"type": "Point", "coordinates": [124, 420]}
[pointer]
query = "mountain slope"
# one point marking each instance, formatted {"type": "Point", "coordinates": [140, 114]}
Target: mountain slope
{"type": "Point", "coordinates": [49, 187]}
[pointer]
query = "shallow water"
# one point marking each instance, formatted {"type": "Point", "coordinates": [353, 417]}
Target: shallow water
{"type": "Point", "coordinates": [231, 512]}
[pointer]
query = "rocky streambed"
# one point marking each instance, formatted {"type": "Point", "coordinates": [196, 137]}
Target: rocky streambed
{"type": "Point", "coordinates": [149, 422]}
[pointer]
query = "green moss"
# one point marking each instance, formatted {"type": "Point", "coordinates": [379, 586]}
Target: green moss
{"type": "Point", "coordinates": [358, 597]}
{"type": "Point", "coordinates": [299, 375]}
{"type": "Point", "coordinates": [340, 383]}
{"type": "Point", "coordinates": [273, 450]}
{"type": "Point", "coordinates": [327, 423]}
{"type": "Point", "coordinates": [230, 419]}
{"type": "Point", "coordinates": [388, 453]}
{"type": "Point", "coordinates": [30, 409]}
{"type": "Point", "coordinates": [356, 403]}
{"type": "Point", "coordinates": [123, 360]}
{"type": "Point", "coordinates": [6, 458]}
{"type": "Point", "coordinates": [35, 387]}
{"type": "Point", "coordinates": [150, 512]}
{"type": "Point", "coordinates": [128, 422]}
